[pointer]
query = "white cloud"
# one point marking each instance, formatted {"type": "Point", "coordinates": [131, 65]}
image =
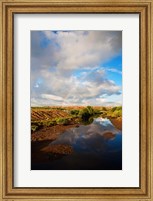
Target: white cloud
{"type": "Point", "coordinates": [75, 90]}
{"type": "Point", "coordinates": [71, 50]}
{"type": "Point", "coordinates": [114, 70]}
{"type": "Point", "coordinates": [79, 49]}
{"type": "Point", "coordinates": [52, 97]}
{"type": "Point", "coordinates": [56, 56]}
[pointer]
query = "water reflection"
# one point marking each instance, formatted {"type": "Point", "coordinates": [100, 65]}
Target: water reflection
{"type": "Point", "coordinates": [96, 146]}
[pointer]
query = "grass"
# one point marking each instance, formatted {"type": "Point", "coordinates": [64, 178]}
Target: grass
{"type": "Point", "coordinates": [35, 125]}
{"type": "Point", "coordinates": [62, 121]}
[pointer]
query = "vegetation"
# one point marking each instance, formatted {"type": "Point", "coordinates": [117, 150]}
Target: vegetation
{"type": "Point", "coordinates": [62, 121]}
{"type": "Point", "coordinates": [86, 113]}
{"type": "Point", "coordinates": [34, 127]}
{"type": "Point", "coordinates": [74, 112]}
{"type": "Point", "coordinates": [51, 116]}
{"type": "Point", "coordinates": [115, 112]}
{"type": "Point", "coordinates": [58, 108]}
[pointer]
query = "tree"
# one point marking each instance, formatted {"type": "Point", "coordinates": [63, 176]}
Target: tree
{"type": "Point", "coordinates": [86, 113]}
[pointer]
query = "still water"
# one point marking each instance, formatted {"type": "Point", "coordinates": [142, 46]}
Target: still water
{"type": "Point", "coordinates": [97, 146]}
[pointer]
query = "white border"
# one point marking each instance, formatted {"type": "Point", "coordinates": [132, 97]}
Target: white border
{"type": "Point", "coordinates": [129, 176]}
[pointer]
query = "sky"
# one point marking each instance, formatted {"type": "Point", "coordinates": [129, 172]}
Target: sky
{"type": "Point", "coordinates": [76, 68]}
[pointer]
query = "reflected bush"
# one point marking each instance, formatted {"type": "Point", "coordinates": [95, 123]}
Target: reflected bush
{"type": "Point", "coordinates": [88, 121]}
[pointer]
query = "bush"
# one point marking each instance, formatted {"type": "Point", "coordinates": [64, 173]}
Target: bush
{"type": "Point", "coordinates": [119, 108]}
{"type": "Point", "coordinates": [118, 113]}
{"type": "Point", "coordinates": [34, 128]}
{"type": "Point", "coordinates": [90, 110]}
{"type": "Point", "coordinates": [104, 108]}
{"type": "Point", "coordinates": [59, 108]}
{"type": "Point", "coordinates": [50, 123]}
{"type": "Point", "coordinates": [115, 112]}
{"type": "Point", "coordinates": [113, 109]}
{"type": "Point", "coordinates": [96, 111]}
{"type": "Point", "coordinates": [62, 121]}
{"type": "Point", "coordinates": [116, 108]}
{"type": "Point", "coordinates": [86, 113]}
{"type": "Point", "coordinates": [35, 125]}
{"type": "Point", "coordinates": [74, 112]}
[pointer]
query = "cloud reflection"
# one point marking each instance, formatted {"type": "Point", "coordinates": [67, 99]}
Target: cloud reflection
{"type": "Point", "coordinates": [99, 137]}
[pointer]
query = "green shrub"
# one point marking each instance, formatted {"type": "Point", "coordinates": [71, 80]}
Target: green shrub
{"type": "Point", "coordinates": [96, 111]}
{"type": "Point", "coordinates": [74, 112]}
{"type": "Point", "coordinates": [104, 108]}
{"type": "Point", "coordinates": [34, 128]}
{"type": "Point", "coordinates": [90, 110]}
{"type": "Point", "coordinates": [118, 113]}
{"type": "Point", "coordinates": [59, 108]}
{"type": "Point", "coordinates": [86, 113]}
{"type": "Point", "coordinates": [115, 112]}
{"type": "Point", "coordinates": [50, 123]}
{"type": "Point", "coordinates": [41, 123]}
{"type": "Point", "coordinates": [116, 108]}
{"type": "Point", "coordinates": [113, 109]}
{"type": "Point", "coordinates": [119, 108]}
{"type": "Point", "coordinates": [62, 121]}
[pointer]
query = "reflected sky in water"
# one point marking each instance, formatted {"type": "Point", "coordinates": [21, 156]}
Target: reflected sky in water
{"type": "Point", "coordinates": [96, 146]}
{"type": "Point", "coordinates": [92, 138]}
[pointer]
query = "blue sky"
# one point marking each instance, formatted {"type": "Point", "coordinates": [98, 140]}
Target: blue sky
{"type": "Point", "coordinates": [76, 68]}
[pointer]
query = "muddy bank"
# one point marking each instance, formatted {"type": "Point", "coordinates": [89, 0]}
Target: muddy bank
{"type": "Point", "coordinates": [50, 133]}
{"type": "Point", "coordinates": [41, 152]}
{"type": "Point", "coordinates": [117, 122]}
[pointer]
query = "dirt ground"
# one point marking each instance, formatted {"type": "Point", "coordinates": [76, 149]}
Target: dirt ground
{"type": "Point", "coordinates": [117, 122]}
{"type": "Point", "coordinates": [50, 133]}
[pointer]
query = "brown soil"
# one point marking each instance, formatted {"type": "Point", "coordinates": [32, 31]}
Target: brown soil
{"type": "Point", "coordinates": [50, 133]}
{"type": "Point", "coordinates": [117, 122]}
{"type": "Point", "coordinates": [43, 114]}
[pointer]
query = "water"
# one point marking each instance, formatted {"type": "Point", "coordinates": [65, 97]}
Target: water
{"type": "Point", "coordinates": [97, 146]}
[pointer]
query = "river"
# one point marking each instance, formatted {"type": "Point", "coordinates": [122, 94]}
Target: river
{"type": "Point", "coordinates": [97, 146]}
